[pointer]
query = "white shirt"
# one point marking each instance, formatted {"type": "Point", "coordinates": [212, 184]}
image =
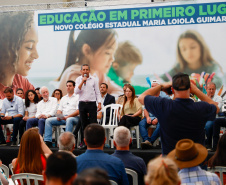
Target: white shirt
{"type": "Point", "coordinates": [218, 99]}
{"type": "Point", "coordinates": [32, 109]}
{"type": "Point", "coordinates": [89, 91]}
{"type": "Point", "coordinates": [69, 105]}
{"type": "Point", "coordinates": [102, 101]}
{"type": "Point", "coordinates": [47, 108]}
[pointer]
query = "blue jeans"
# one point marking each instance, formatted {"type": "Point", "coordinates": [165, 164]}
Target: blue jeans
{"type": "Point", "coordinates": [70, 122]}
{"type": "Point", "coordinates": [32, 122]}
{"type": "Point", "coordinates": [144, 133]}
{"type": "Point", "coordinates": [209, 132]}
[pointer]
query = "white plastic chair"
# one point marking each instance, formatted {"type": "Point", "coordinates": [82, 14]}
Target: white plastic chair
{"type": "Point", "coordinates": [5, 170]}
{"type": "Point", "coordinates": [133, 174]}
{"type": "Point", "coordinates": [220, 170]}
{"type": "Point", "coordinates": [11, 168]}
{"type": "Point", "coordinates": [115, 111]}
{"type": "Point", "coordinates": [113, 182]}
{"type": "Point", "coordinates": [27, 176]}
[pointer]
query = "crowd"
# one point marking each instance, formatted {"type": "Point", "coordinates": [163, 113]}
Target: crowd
{"type": "Point", "coordinates": [181, 123]}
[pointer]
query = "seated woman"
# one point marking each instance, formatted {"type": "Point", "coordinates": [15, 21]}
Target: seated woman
{"type": "Point", "coordinates": [57, 93]}
{"type": "Point", "coordinates": [219, 158]}
{"type": "Point", "coordinates": [31, 101]}
{"type": "Point", "coordinates": [131, 110]}
{"type": "Point", "coordinates": [162, 171]}
{"type": "Point", "coordinates": [32, 153]}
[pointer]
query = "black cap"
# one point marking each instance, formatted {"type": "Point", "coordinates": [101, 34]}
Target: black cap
{"type": "Point", "coordinates": [181, 82]}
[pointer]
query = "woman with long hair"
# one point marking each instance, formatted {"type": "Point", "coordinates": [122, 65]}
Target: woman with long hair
{"type": "Point", "coordinates": [131, 110]}
{"type": "Point", "coordinates": [161, 171]}
{"type": "Point", "coordinates": [18, 50]}
{"type": "Point", "coordinates": [95, 48]}
{"type": "Point", "coordinates": [32, 153]}
{"type": "Point", "coordinates": [31, 101]}
{"type": "Point", "coordinates": [57, 93]}
{"type": "Point", "coordinates": [193, 56]}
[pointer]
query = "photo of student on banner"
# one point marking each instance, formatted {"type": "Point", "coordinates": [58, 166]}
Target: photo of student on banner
{"type": "Point", "coordinates": [193, 56]}
{"type": "Point", "coordinates": [95, 48]}
{"type": "Point", "coordinates": [18, 41]}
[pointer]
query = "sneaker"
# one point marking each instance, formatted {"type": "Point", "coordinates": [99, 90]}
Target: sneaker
{"type": "Point", "coordinates": [13, 143]}
{"type": "Point", "coordinates": [146, 145]}
{"type": "Point", "coordinates": [2, 143]}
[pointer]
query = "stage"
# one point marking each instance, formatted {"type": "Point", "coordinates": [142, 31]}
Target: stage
{"type": "Point", "coordinates": [7, 153]}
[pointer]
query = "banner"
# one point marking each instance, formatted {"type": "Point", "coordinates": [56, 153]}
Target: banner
{"type": "Point", "coordinates": [122, 44]}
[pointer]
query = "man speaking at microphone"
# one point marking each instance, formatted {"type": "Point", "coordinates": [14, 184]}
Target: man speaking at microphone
{"type": "Point", "coordinates": [88, 89]}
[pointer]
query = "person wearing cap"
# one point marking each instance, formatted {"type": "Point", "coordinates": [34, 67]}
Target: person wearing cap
{"type": "Point", "coordinates": [188, 156]}
{"type": "Point", "coordinates": [182, 117]}
{"type": "Point", "coordinates": [150, 119]}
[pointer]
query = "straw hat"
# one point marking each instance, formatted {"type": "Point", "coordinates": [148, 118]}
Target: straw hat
{"type": "Point", "coordinates": [188, 154]}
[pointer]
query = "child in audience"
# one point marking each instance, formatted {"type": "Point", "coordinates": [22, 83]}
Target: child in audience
{"type": "Point", "coordinates": [162, 171]}
{"type": "Point", "coordinates": [95, 48]}
{"type": "Point", "coordinates": [31, 101]}
{"type": "Point", "coordinates": [193, 56]}
{"type": "Point", "coordinates": [127, 58]}
{"type": "Point", "coordinates": [32, 153]}
{"type": "Point", "coordinates": [18, 42]}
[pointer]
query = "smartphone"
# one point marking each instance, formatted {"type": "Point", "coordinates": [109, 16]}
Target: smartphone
{"type": "Point", "coordinates": [169, 91]}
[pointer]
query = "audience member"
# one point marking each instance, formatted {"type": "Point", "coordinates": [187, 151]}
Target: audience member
{"type": "Point", "coordinates": [188, 155]}
{"type": "Point", "coordinates": [57, 93]}
{"type": "Point", "coordinates": [120, 99]}
{"type": "Point", "coordinates": [89, 94]}
{"type": "Point", "coordinates": [32, 153]}
{"type": "Point", "coordinates": [150, 119]}
{"type": "Point", "coordinates": [61, 169]}
{"type": "Point", "coordinates": [31, 101]}
{"type": "Point", "coordinates": [95, 157]}
{"type": "Point", "coordinates": [67, 113]}
{"type": "Point", "coordinates": [122, 140]}
{"type": "Point", "coordinates": [131, 110]}
{"type": "Point", "coordinates": [219, 158]}
{"type": "Point", "coordinates": [127, 58]}
{"type": "Point", "coordinates": [106, 99]}
{"type": "Point", "coordinates": [218, 123]}
{"type": "Point", "coordinates": [20, 93]}
{"type": "Point", "coordinates": [13, 105]}
{"type": "Point", "coordinates": [162, 171]}
{"type": "Point", "coordinates": [172, 113]}
{"type": "Point", "coordinates": [66, 143]}
{"type": "Point", "coordinates": [3, 178]}
{"type": "Point", "coordinates": [211, 89]}
{"type": "Point", "coordinates": [92, 176]}
{"type": "Point", "coordinates": [46, 108]}
{"type": "Point", "coordinates": [37, 90]}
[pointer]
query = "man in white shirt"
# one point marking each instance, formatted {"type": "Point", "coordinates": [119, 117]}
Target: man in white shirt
{"type": "Point", "coordinates": [46, 108]}
{"type": "Point", "coordinates": [88, 89]}
{"type": "Point", "coordinates": [211, 89]}
{"type": "Point", "coordinates": [67, 113]}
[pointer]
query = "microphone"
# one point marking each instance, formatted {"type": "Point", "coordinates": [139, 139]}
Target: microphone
{"type": "Point", "coordinates": [85, 75]}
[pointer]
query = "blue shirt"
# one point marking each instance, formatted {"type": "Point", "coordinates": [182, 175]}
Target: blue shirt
{"type": "Point", "coordinates": [132, 162]}
{"type": "Point", "coordinates": [13, 108]}
{"type": "Point", "coordinates": [180, 119]}
{"type": "Point", "coordinates": [98, 159]}
{"type": "Point", "coordinates": [195, 175]}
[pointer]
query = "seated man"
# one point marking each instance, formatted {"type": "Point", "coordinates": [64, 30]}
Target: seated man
{"type": "Point", "coordinates": [46, 108]}
{"type": "Point", "coordinates": [94, 157]}
{"type": "Point", "coordinates": [148, 120]}
{"type": "Point", "coordinates": [211, 89]}
{"type": "Point", "coordinates": [106, 99]}
{"type": "Point", "coordinates": [66, 143]}
{"type": "Point", "coordinates": [61, 169]}
{"type": "Point", "coordinates": [68, 109]}
{"type": "Point", "coordinates": [15, 107]}
{"type": "Point", "coordinates": [122, 140]}
{"type": "Point", "coordinates": [188, 156]}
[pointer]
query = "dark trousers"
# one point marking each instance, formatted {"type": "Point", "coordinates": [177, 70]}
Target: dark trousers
{"type": "Point", "coordinates": [32, 122]}
{"type": "Point", "coordinates": [22, 127]}
{"type": "Point", "coordinates": [128, 121]}
{"type": "Point", "coordinates": [219, 122]}
{"type": "Point", "coordinates": [15, 122]}
{"type": "Point", "coordinates": [86, 108]}
{"type": "Point", "coordinates": [77, 129]}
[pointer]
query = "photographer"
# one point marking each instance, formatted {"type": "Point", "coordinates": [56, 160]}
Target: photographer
{"type": "Point", "coordinates": [180, 118]}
